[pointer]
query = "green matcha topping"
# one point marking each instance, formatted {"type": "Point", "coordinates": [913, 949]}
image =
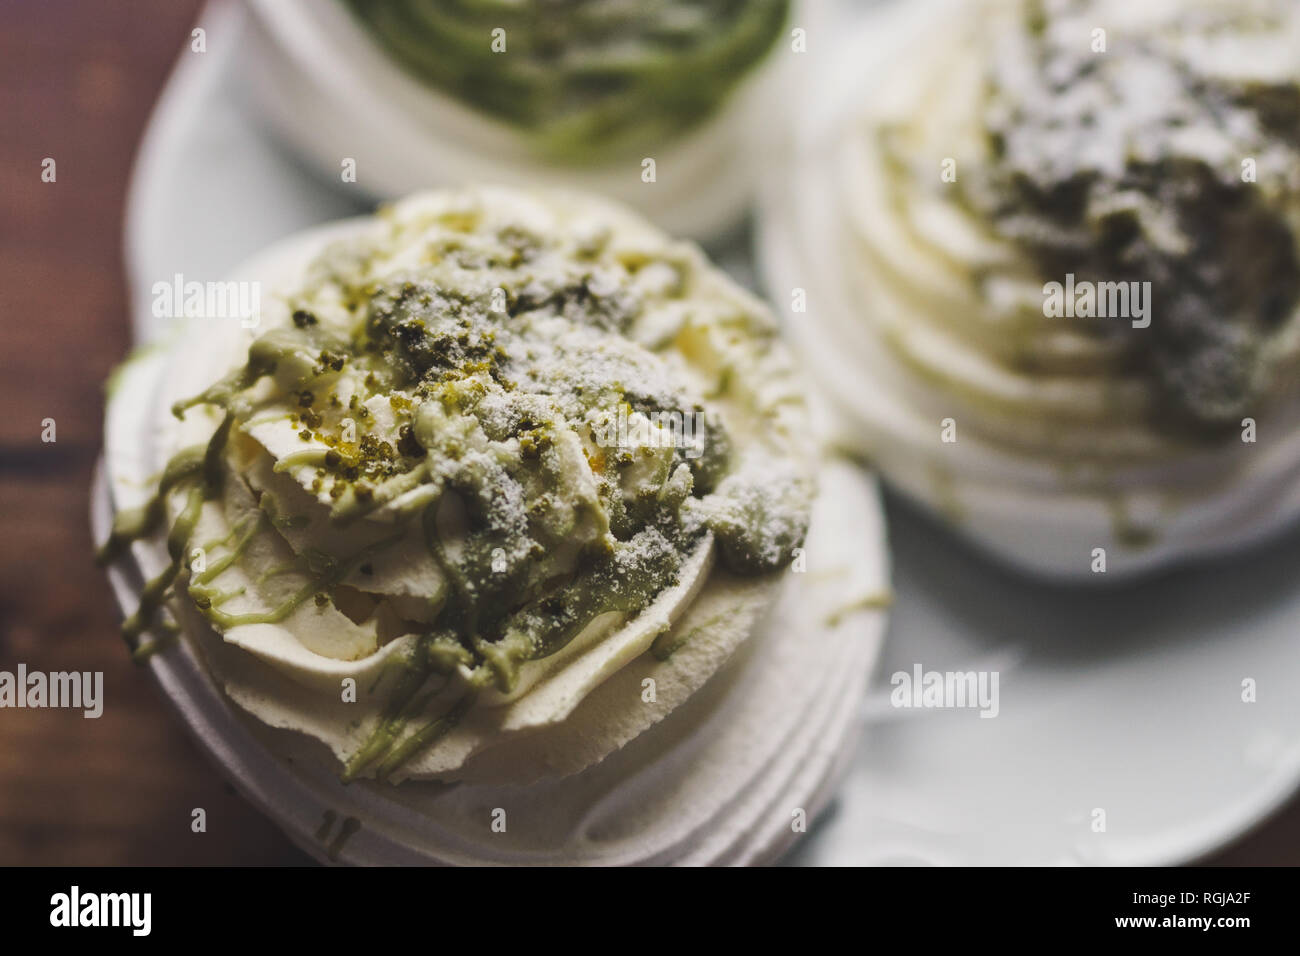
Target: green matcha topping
{"type": "Point", "coordinates": [467, 405]}
{"type": "Point", "coordinates": [586, 78]}
{"type": "Point", "coordinates": [1126, 165]}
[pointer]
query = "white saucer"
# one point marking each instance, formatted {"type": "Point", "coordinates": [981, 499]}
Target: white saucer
{"type": "Point", "coordinates": [1126, 700]}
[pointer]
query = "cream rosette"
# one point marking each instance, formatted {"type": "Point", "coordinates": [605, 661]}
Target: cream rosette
{"type": "Point", "coordinates": [504, 498]}
{"type": "Point", "coordinates": [1048, 258]}
{"type": "Point", "coordinates": [423, 93]}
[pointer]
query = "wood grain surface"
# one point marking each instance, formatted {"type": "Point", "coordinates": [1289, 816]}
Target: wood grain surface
{"type": "Point", "coordinates": [78, 81]}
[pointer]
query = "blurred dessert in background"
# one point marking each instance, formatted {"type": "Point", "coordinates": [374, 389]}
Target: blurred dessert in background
{"type": "Point", "coordinates": [1050, 264]}
{"type": "Point", "coordinates": [586, 79]}
{"type": "Point", "coordinates": [656, 104]}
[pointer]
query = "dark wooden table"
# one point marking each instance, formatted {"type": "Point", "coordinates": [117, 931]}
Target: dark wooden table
{"type": "Point", "coordinates": [78, 80]}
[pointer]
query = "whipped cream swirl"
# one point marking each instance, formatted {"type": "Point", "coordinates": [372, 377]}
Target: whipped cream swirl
{"type": "Point", "coordinates": [485, 450]}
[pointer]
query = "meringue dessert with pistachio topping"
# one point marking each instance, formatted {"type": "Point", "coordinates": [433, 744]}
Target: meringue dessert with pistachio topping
{"type": "Point", "coordinates": [507, 497]}
{"type": "Point", "coordinates": [656, 103]}
{"type": "Point", "coordinates": [1049, 251]}
{"type": "Point", "coordinates": [585, 79]}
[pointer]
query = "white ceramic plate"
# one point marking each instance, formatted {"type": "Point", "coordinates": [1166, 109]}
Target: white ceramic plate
{"type": "Point", "coordinates": [1125, 700]}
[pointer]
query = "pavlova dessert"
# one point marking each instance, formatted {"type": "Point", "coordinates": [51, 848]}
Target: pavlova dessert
{"type": "Point", "coordinates": [654, 103]}
{"type": "Point", "coordinates": [508, 504]}
{"type": "Point", "coordinates": [1048, 252]}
